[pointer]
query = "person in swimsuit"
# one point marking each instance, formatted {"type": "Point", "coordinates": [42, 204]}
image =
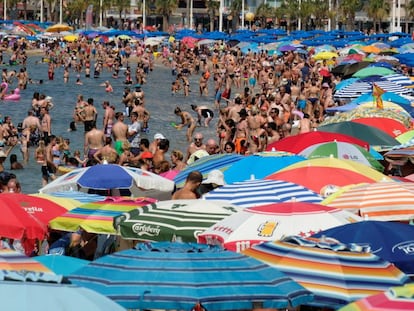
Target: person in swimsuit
{"type": "Point", "coordinates": [203, 112]}
{"type": "Point", "coordinates": [186, 120]}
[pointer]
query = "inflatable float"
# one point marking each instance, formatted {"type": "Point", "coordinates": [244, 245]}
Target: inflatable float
{"type": "Point", "coordinates": [14, 96]}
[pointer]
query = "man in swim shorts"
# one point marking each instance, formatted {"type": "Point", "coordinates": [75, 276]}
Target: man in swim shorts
{"type": "Point", "coordinates": [119, 132]}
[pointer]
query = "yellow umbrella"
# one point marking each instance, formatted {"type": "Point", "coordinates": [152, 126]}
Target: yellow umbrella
{"type": "Point", "coordinates": [58, 28]}
{"type": "Point", "coordinates": [325, 55]}
{"type": "Point", "coordinates": [67, 203]}
{"type": "Point", "coordinates": [124, 37]}
{"type": "Point", "coordinates": [71, 38]}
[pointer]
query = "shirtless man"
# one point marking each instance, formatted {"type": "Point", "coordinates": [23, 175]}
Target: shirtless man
{"type": "Point", "coordinates": [186, 120]}
{"type": "Point", "coordinates": [45, 123]}
{"type": "Point", "coordinates": [240, 138]}
{"type": "Point", "coordinates": [128, 100]}
{"type": "Point", "coordinates": [196, 145]}
{"type": "Point", "coordinates": [90, 115]}
{"type": "Point", "coordinates": [189, 191]}
{"type": "Point", "coordinates": [313, 95]}
{"type": "Point", "coordinates": [119, 132]}
{"type": "Point", "coordinates": [143, 115]}
{"type": "Point", "coordinates": [108, 119]}
{"type": "Point", "coordinates": [94, 140]}
{"type": "Point", "coordinates": [304, 124]}
{"type": "Point", "coordinates": [203, 112]}
{"type": "Point", "coordinates": [106, 154]}
{"type": "Point", "coordinates": [253, 129]}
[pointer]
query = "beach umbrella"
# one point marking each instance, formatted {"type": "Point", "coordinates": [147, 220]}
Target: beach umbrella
{"type": "Point", "coordinates": [272, 222]}
{"type": "Point", "coordinates": [387, 96]}
{"type": "Point", "coordinates": [286, 48]}
{"type": "Point", "coordinates": [67, 203]}
{"type": "Point", "coordinates": [46, 292]}
{"type": "Point", "coordinates": [79, 196]}
{"type": "Point", "coordinates": [373, 71]}
{"type": "Point", "coordinates": [176, 276]}
{"type": "Point", "coordinates": [259, 165]}
{"type": "Point", "coordinates": [385, 201]}
{"type": "Point", "coordinates": [371, 49]}
{"type": "Point", "coordinates": [62, 265]}
{"type": "Point", "coordinates": [297, 143]}
{"type": "Point", "coordinates": [259, 192]}
{"type": "Point", "coordinates": [358, 88]}
{"type": "Point", "coordinates": [41, 209]}
{"type": "Point", "coordinates": [370, 134]}
{"type": "Point", "coordinates": [389, 240]}
{"type": "Point", "coordinates": [97, 217]}
{"type": "Point", "coordinates": [335, 273]}
{"type": "Point", "coordinates": [172, 219]}
{"type": "Point", "coordinates": [58, 28]}
{"type": "Point", "coordinates": [324, 55]}
{"type": "Point", "coordinates": [399, 298]}
{"type": "Point", "coordinates": [341, 150]}
{"type": "Point", "coordinates": [332, 173]}
{"type": "Point", "coordinates": [124, 37]}
{"type": "Point", "coordinates": [405, 137]}
{"type": "Point", "coordinates": [71, 38]}
{"type": "Point", "coordinates": [11, 260]}
{"type": "Point", "coordinates": [390, 126]}
{"type": "Point", "coordinates": [206, 164]}
{"type": "Point", "coordinates": [113, 179]}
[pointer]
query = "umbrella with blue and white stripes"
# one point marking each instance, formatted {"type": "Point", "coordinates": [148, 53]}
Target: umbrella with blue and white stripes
{"type": "Point", "coordinates": [259, 192]}
{"type": "Point", "coordinates": [358, 88]}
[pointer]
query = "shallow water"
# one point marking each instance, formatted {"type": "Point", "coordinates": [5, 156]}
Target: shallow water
{"type": "Point", "coordinates": [159, 102]}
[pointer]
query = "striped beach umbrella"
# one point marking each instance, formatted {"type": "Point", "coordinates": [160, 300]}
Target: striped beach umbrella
{"type": "Point", "coordinates": [12, 260]}
{"type": "Point", "coordinates": [206, 164]}
{"type": "Point", "coordinates": [177, 276]}
{"type": "Point", "coordinates": [97, 217]}
{"type": "Point", "coordinates": [358, 88]}
{"type": "Point", "coordinates": [259, 192]}
{"type": "Point", "coordinates": [272, 222]}
{"type": "Point", "coordinates": [400, 298]}
{"type": "Point", "coordinates": [337, 274]}
{"type": "Point", "coordinates": [172, 220]}
{"type": "Point", "coordinates": [384, 201]}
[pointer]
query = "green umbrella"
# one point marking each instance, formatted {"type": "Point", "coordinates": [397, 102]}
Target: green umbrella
{"type": "Point", "coordinates": [173, 219]}
{"type": "Point", "coordinates": [370, 134]}
{"type": "Point", "coordinates": [405, 137]}
{"type": "Point", "coordinates": [373, 71]}
{"type": "Point", "coordinates": [342, 150]}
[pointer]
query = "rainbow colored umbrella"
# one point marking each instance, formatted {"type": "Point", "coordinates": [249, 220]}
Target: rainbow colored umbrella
{"type": "Point", "coordinates": [323, 174]}
{"type": "Point", "coordinates": [97, 217]}
{"type": "Point", "coordinates": [11, 260]}
{"type": "Point", "coordinates": [400, 298]}
{"type": "Point", "coordinates": [386, 201]}
{"type": "Point", "coordinates": [336, 273]}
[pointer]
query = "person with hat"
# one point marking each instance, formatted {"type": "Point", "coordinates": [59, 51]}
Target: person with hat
{"type": "Point", "coordinates": [154, 144]}
{"type": "Point", "coordinates": [215, 179]}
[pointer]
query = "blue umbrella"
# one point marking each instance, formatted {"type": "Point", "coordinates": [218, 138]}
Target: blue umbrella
{"type": "Point", "coordinates": [392, 241]}
{"type": "Point", "coordinates": [260, 165]}
{"type": "Point", "coordinates": [63, 265]}
{"type": "Point", "coordinates": [106, 177]}
{"type": "Point", "coordinates": [167, 275]}
{"type": "Point", "coordinates": [259, 192]}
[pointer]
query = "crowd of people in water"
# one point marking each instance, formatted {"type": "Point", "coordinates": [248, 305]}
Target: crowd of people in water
{"type": "Point", "coordinates": [256, 99]}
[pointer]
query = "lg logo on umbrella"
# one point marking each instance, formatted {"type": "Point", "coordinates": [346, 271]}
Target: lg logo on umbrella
{"type": "Point", "coordinates": [407, 247]}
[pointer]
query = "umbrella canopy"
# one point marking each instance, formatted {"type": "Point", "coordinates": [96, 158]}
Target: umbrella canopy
{"type": "Point", "coordinates": [272, 222]}
{"type": "Point", "coordinates": [38, 291]}
{"type": "Point", "coordinates": [400, 298]}
{"type": "Point", "coordinates": [71, 38]}
{"type": "Point", "coordinates": [358, 88]}
{"type": "Point", "coordinates": [42, 209]}
{"type": "Point", "coordinates": [67, 203]}
{"type": "Point", "coordinates": [370, 134]}
{"type": "Point", "coordinates": [325, 55]}
{"type": "Point", "coordinates": [174, 219]}
{"type": "Point", "coordinates": [113, 178]}
{"type": "Point", "coordinates": [373, 71]}
{"type": "Point", "coordinates": [389, 240]}
{"type": "Point", "coordinates": [334, 272]}
{"type": "Point", "coordinates": [12, 260]}
{"type": "Point", "coordinates": [58, 28]}
{"type": "Point", "coordinates": [260, 165]}
{"type": "Point", "coordinates": [178, 275]}
{"type": "Point", "coordinates": [259, 192]}
{"type": "Point", "coordinates": [97, 217]}
{"type": "Point", "coordinates": [384, 201]}
{"type": "Point", "coordinates": [341, 150]}
{"type": "Point", "coordinates": [405, 137]}
{"type": "Point", "coordinates": [206, 164]}
{"type": "Point", "coordinates": [332, 173]}
{"type": "Point", "coordinates": [297, 143]}
{"type": "Point", "coordinates": [62, 265]}
{"type": "Point", "coordinates": [390, 126]}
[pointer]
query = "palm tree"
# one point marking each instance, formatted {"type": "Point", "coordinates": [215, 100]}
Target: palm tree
{"type": "Point", "coordinates": [378, 10]}
{"type": "Point", "coordinates": [290, 10]}
{"type": "Point", "coordinates": [77, 8]}
{"type": "Point", "coordinates": [409, 13]}
{"type": "Point", "coordinates": [347, 11]}
{"type": "Point", "coordinates": [165, 8]}
{"type": "Point", "coordinates": [236, 8]}
{"type": "Point", "coordinates": [121, 6]}
{"type": "Point", "coordinates": [212, 9]}
{"type": "Point", "coordinates": [264, 11]}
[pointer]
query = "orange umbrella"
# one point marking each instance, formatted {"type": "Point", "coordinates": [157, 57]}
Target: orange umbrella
{"type": "Point", "coordinates": [328, 174]}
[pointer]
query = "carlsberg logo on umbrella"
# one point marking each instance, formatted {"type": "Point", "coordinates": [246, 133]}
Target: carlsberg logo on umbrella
{"type": "Point", "coordinates": [142, 229]}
